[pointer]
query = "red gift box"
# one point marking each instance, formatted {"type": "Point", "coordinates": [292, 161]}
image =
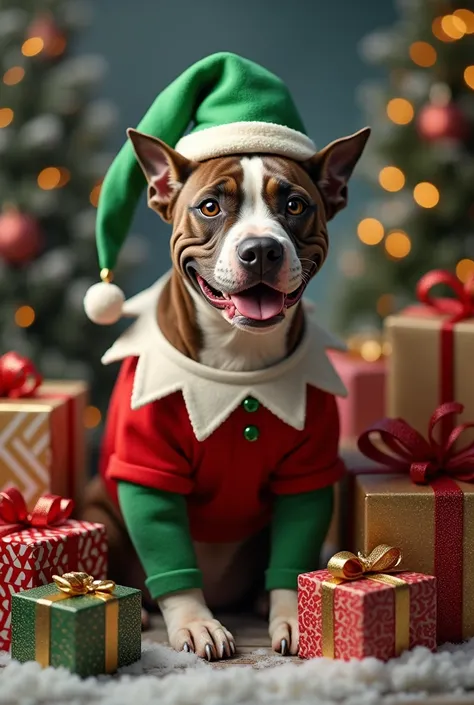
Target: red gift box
{"type": "Point", "coordinates": [377, 614]}
{"type": "Point", "coordinates": [36, 546]}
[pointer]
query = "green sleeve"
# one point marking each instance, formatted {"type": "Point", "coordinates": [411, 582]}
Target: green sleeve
{"type": "Point", "coordinates": [158, 526]}
{"type": "Point", "coordinates": [300, 523]}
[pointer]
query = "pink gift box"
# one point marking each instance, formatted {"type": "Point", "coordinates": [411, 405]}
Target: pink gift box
{"type": "Point", "coordinates": [363, 618]}
{"type": "Point", "coordinates": [365, 401]}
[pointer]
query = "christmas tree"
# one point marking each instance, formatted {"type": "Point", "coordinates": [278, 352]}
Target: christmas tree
{"type": "Point", "coordinates": [52, 160]}
{"type": "Point", "coordinates": [420, 160]}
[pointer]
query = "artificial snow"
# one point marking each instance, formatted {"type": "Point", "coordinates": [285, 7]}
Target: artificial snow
{"type": "Point", "coordinates": [169, 678]}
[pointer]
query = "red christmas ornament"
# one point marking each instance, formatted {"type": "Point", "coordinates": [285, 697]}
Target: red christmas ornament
{"type": "Point", "coordinates": [437, 122]}
{"type": "Point", "coordinates": [54, 40]}
{"type": "Point", "coordinates": [20, 237]}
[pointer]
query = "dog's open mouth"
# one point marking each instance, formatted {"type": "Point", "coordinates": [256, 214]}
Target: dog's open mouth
{"type": "Point", "coordinates": [260, 303]}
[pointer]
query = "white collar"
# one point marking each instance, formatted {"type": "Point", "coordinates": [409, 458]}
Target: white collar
{"type": "Point", "coordinates": [211, 395]}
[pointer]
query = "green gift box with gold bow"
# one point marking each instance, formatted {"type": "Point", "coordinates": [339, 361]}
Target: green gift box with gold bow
{"type": "Point", "coordinates": [87, 626]}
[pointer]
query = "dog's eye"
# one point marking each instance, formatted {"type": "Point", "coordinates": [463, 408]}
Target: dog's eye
{"type": "Point", "coordinates": [296, 206]}
{"type": "Point", "coordinates": [210, 208]}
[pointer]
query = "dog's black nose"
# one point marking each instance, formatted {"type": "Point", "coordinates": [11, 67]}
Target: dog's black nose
{"type": "Point", "coordinates": [260, 254]}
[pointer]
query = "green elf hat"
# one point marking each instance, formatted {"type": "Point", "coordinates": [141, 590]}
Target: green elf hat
{"type": "Point", "coordinates": [233, 106]}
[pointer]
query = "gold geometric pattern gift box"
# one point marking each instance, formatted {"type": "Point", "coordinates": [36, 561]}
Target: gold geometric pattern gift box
{"type": "Point", "coordinates": [42, 434]}
{"type": "Point", "coordinates": [432, 352]}
{"type": "Point", "coordinates": [87, 626]}
{"type": "Point", "coordinates": [422, 500]}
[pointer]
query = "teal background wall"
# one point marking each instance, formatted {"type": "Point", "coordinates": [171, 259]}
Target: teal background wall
{"type": "Point", "coordinates": [313, 46]}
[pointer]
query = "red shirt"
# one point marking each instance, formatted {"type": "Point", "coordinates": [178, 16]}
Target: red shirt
{"type": "Point", "coordinates": [229, 481]}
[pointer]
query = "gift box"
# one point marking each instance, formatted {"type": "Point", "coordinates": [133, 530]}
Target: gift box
{"type": "Point", "coordinates": [34, 547]}
{"type": "Point", "coordinates": [365, 383]}
{"type": "Point", "coordinates": [432, 347]}
{"type": "Point", "coordinates": [340, 533]}
{"type": "Point", "coordinates": [87, 626]}
{"type": "Point", "coordinates": [42, 434]}
{"type": "Point", "coordinates": [422, 499]}
{"type": "Point", "coordinates": [358, 608]}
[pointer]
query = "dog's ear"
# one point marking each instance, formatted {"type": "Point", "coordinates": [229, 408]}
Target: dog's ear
{"type": "Point", "coordinates": [332, 167]}
{"type": "Point", "coordinates": [165, 170]}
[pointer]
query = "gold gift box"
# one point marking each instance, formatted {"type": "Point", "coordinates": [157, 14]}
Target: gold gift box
{"type": "Point", "coordinates": [42, 441]}
{"type": "Point", "coordinates": [414, 370]}
{"type": "Point", "coordinates": [389, 508]}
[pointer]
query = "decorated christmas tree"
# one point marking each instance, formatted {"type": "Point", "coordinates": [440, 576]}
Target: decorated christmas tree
{"type": "Point", "coordinates": [420, 160]}
{"type": "Point", "coordinates": [52, 134]}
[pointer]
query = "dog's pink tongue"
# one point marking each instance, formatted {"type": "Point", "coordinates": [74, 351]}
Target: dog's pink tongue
{"type": "Point", "coordinates": [259, 305]}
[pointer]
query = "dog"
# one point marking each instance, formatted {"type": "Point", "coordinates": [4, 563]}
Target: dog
{"type": "Point", "coordinates": [248, 234]}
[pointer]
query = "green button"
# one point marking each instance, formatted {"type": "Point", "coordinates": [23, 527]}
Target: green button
{"type": "Point", "coordinates": [250, 404]}
{"type": "Point", "coordinates": [251, 433]}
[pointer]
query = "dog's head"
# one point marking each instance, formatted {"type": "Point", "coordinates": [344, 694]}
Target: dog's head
{"type": "Point", "coordinates": [249, 231]}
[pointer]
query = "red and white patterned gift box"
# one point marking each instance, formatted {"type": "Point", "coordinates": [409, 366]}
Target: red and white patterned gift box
{"type": "Point", "coordinates": [379, 615]}
{"type": "Point", "coordinates": [29, 557]}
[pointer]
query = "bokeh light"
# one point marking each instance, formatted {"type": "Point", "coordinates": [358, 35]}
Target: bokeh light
{"type": "Point", "coordinates": [6, 117]}
{"type": "Point", "coordinates": [397, 244]}
{"type": "Point", "coordinates": [438, 31]}
{"type": "Point", "coordinates": [464, 269]}
{"type": "Point", "coordinates": [49, 178]}
{"type": "Point", "coordinates": [469, 76]}
{"type": "Point", "coordinates": [400, 111]}
{"type": "Point", "coordinates": [24, 316]}
{"type": "Point", "coordinates": [94, 194]}
{"type": "Point", "coordinates": [453, 26]}
{"type": "Point", "coordinates": [371, 350]}
{"type": "Point", "coordinates": [92, 417]}
{"type": "Point", "coordinates": [466, 16]}
{"type": "Point", "coordinates": [426, 195]}
{"type": "Point", "coordinates": [32, 46]}
{"type": "Point", "coordinates": [423, 54]}
{"type": "Point", "coordinates": [370, 231]}
{"type": "Point", "coordinates": [391, 178]}
{"type": "Point", "coordinates": [13, 76]}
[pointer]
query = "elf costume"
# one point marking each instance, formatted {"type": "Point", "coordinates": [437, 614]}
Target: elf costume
{"type": "Point", "coordinates": [196, 453]}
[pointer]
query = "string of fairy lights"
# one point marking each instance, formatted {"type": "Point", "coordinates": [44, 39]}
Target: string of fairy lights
{"type": "Point", "coordinates": [400, 111]}
{"type": "Point", "coordinates": [51, 177]}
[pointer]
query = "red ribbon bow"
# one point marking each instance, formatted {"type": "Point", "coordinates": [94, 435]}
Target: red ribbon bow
{"type": "Point", "coordinates": [49, 510]}
{"type": "Point", "coordinates": [425, 459]}
{"type": "Point", "coordinates": [459, 308]}
{"type": "Point", "coordinates": [18, 376]}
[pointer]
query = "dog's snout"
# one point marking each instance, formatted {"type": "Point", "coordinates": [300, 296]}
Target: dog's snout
{"type": "Point", "coordinates": [260, 254]}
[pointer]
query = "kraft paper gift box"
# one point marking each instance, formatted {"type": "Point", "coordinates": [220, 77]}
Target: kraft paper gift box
{"type": "Point", "coordinates": [87, 626]}
{"type": "Point", "coordinates": [44, 543]}
{"type": "Point", "coordinates": [432, 349]}
{"type": "Point", "coordinates": [378, 614]}
{"type": "Point", "coordinates": [421, 499]}
{"type": "Point", "coordinates": [365, 401]}
{"type": "Point", "coordinates": [42, 439]}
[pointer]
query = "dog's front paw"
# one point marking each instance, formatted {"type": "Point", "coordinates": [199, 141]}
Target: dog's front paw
{"type": "Point", "coordinates": [207, 638]}
{"type": "Point", "coordinates": [283, 622]}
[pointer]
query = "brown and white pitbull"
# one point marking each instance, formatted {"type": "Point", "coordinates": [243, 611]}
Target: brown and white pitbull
{"type": "Point", "coordinates": [249, 232]}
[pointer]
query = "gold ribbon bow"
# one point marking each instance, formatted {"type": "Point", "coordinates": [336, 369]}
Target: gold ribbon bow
{"type": "Point", "coordinates": [346, 567]}
{"type": "Point", "coordinates": [77, 584]}
{"type": "Point", "coordinates": [82, 584]}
